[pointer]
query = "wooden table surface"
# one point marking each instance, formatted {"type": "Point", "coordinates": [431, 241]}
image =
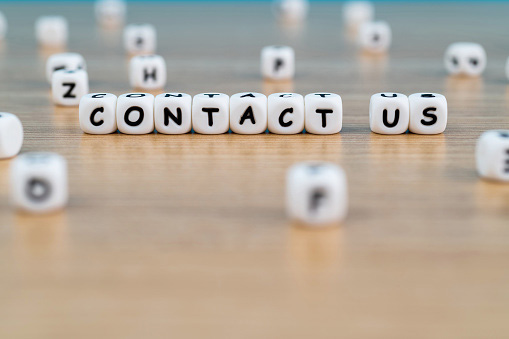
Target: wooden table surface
{"type": "Point", "coordinates": [186, 236]}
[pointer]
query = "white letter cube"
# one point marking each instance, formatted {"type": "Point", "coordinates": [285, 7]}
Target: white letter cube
{"type": "Point", "coordinates": [211, 113]}
{"type": "Point", "coordinates": [465, 58]}
{"type": "Point", "coordinates": [69, 86]}
{"type": "Point", "coordinates": [278, 63]}
{"type": "Point", "coordinates": [248, 113]}
{"type": "Point", "coordinates": [375, 36]}
{"type": "Point", "coordinates": [428, 113]}
{"type": "Point", "coordinates": [172, 113]}
{"type": "Point", "coordinates": [135, 113]}
{"type": "Point", "coordinates": [492, 155]}
{"type": "Point", "coordinates": [51, 31]}
{"type": "Point", "coordinates": [97, 113]}
{"type": "Point", "coordinates": [65, 61]}
{"type": "Point", "coordinates": [110, 13]}
{"type": "Point", "coordinates": [39, 182]}
{"type": "Point", "coordinates": [286, 113]}
{"type": "Point", "coordinates": [389, 113]}
{"type": "Point", "coordinates": [147, 72]}
{"type": "Point", "coordinates": [316, 193]}
{"type": "Point", "coordinates": [292, 11]}
{"type": "Point", "coordinates": [11, 135]}
{"type": "Point", "coordinates": [356, 13]}
{"type": "Point", "coordinates": [140, 39]}
{"type": "Point", "coordinates": [324, 113]}
{"type": "Point", "coordinates": [3, 26]}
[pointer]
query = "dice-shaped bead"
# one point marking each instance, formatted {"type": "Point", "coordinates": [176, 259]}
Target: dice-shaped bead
{"type": "Point", "coordinates": [324, 113]}
{"type": "Point", "coordinates": [64, 61]}
{"type": "Point", "coordinates": [68, 87]}
{"type": "Point", "coordinates": [51, 31]}
{"type": "Point", "coordinates": [211, 113]}
{"type": "Point", "coordinates": [375, 36]}
{"type": "Point", "coordinates": [355, 13]}
{"type": "Point", "coordinates": [140, 39]}
{"type": "Point", "coordinates": [97, 113]}
{"type": "Point", "coordinates": [147, 72]}
{"type": "Point", "coordinates": [248, 113]}
{"type": "Point", "coordinates": [3, 26]}
{"type": "Point", "coordinates": [278, 63]}
{"type": "Point", "coordinates": [316, 193]}
{"type": "Point", "coordinates": [492, 155]}
{"type": "Point", "coordinates": [39, 182]}
{"type": "Point", "coordinates": [11, 135]}
{"type": "Point", "coordinates": [465, 58]}
{"type": "Point", "coordinates": [135, 113]}
{"type": "Point", "coordinates": [428, 113]}
{"type": "Point", "coordinates": [292, 11]}
{"type": "Point", "coordinates": [110, 13]}
{"type": "Point", "coordinates": [172, 113]}
{"type": "Point", "coordinates": [389, 113]}
{"type": "Point", "coordinates": [285, 113]}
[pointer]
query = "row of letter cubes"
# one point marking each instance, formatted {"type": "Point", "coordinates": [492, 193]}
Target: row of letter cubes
{"type": "Point", "coordinates": [254, 113]}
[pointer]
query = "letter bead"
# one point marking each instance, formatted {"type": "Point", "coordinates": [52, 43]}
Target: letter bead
{"type": "Point", "coordinates": [147, 72]}
{"type": "Point", "coordinates": [278, 63]}
{"type": "Point", "coordinates": [110, 13]}
{"type": "Point", "coordinates": [51, 31]}
{"type": "Point", "coordinates": [172, 113]}
{"type": "Point", "coordinates": [355, 13]}
{"type": "Point", "coordinates": [492, 155]}
{"type": "Point", "coordinates": [3, 26]}
{"type": "Point", "coordinates": [375, 36]}
{"type": "Point", "coordinates": [389, 113]}
{"type": "Point", "coordinates": [11, 135]}
{"type": "Point", "coordinates": [211, 113]}
{"type": "Point", "coordinates": [316, 193]}
{"type": "Point", "coordinates": [39, 182]}
{"type": "Point", "coordinates": [292, 11]}
{"type": "Point", "coordinates": [135, 113]}
{"type": "Point", "coordinates": [69, 86]}
{"type": "Point", "coordinates": [66, 61]}
{"type": "Point", "coordinates": [248, 113]}
{"type": "Point", "coordinates": [97, 113]}
{"type": "Point", "coordinates": [324, 113]}
{"type": "Point", "coordinates": [286, 113]}
{"type": "Point", "coordinates": [140, 39]}
{"type": "Point", "coordinates": [465, 58]}
{"type": "Point", "coordinates": [428, 113]}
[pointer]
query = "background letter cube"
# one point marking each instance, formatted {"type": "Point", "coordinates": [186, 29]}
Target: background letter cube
{"type": "Point", "coordinates": [147, 72]}
{"type": "Point", "coordinates": [465, 58]}
{"type": "Point", "coordinates": [389, 113]}
{"type": "Point", "coordinates": [110, 13]}
{"type": "Point", "coordinates": [316, 193]}
{"type": "Point", "coordinates": [292, 11]}
{"type": "Point", "coordinates": [140, 39]}
{"type": "Point", "coordinates": [98, 113]}
{"type": "Point", "coordinates": [3, 26]}
{"type": "Point", "coordinates": [278, 63]}
{"type": "Point", "coordinates": [356, 13]}
{"type": "Point", "coordinates": [39, 182]}
{"type": "Point", "coordinates": [66, 61]}
{"type": "Point", "coordinates": [211, 113]}
{"type": "Point", "coordinates": [69, 86]}
{"type": "Point", "coordinates": [172, 113]}
{"type": "Point", "coordinates": [428, 113]}
{"type": "Point", "coordinates": [51, 31]}
{"type": "Point", "coordinates": [11, 135]}
{"type": "Point", "coordinates": [375, 36]}
{"type": "Point", "coordinates": [248, 113]}
{"type": "Point", "coordinates": [324, 113]}
{"type": "Point", "coordinates": [285, 113]}
{"type": "Point", "coordinates": [492, 155]}
{"type": "Point", "coordinates": [135, 113]}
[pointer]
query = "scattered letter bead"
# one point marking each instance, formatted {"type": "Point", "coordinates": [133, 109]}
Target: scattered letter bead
{"type": "Point", "coordinates": [67, 61]}
{"type": "Point", "coordinates": [69, 86]}
{"type": "Point", "coordinates": [39, 182]}
{"type": "Point", "coordinates": [3, 26]}
{"type": "Point", "coordinates": [172, 113]}
{"type": "Point", "coordinates": [135, 113]}
{"type": "Point", "coordinates": [355, 13]}
{"type": "Point", "coordinates": [211, 113]}
{"type": "Point", "coordinates": [465, 58]}
{"type": "Point", "coordinates": [389, 113]}
{"type": "Point", "coordinates": [110, 13]}
{"type": "Point", "coordinates": [140, 39]}
{"type": "Point", "coordinates": [492, 155]}
{"type": "Point", "coordinates": [147, 72]}
{"type": "Point", "coordinates": [286, 113]}
{"type": "Point", "coordinates": [316, 193]}
{"type": "Point", "coordinates": [324, 113]}
{"type": "Point", "coordinates": [428, 113]}
{"type": "Point", "coordinates": [278, 63]}
{"type": "Point", "coordinates": [51, 31]}
{"type": "Point", "coordinates": [292, 11]}
{"type": "Point", "coordinates": [375, 36]}
{"type": "Point", "coordinates": [507, 69]}
{"type": "Point", "coordinates": [97, 113]}
{"type": "Point", "coordinates": [11, 135]}
{"type": "Point", "coordinates": [248, 113]}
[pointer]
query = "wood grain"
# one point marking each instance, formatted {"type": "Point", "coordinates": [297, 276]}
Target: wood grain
{"type": "Point", "coordinates": [186, 236]}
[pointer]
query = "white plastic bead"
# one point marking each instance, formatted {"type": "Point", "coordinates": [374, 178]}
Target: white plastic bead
{"type": "Point", "coordinates": [66, 61]}
{"type": "Point", "coordinates": [51, 31]}
{"type": "Point", "coordinates": [428, 113]}
{"type": "Point", "coordinates": [110, 13]}
{"type": "Point", "coordinates": [248, 113]}
{"type": "Point", "coordinates": [492, 155]}
{"type": "Point", "coordinates": [68, 87]}
{"type": "Point", "coordinates": [292, 11]}
{"type": "Point", "coordinates": [3, 26]}
{"type": "Point", "coordinates": [211, 113]}
{"type": "Point", "coordinates": [355, 13]}
{"type": "Point", "coordinates": [135, 113]}
{"type": "Point", "coordinates": [389, 113]}
{"type": "Point", "coordinates": [285, 113]}
{"type": "Point", "coordinates": [324, 113]}
{"type": "Point", "coordinates": [278, 63]}
{"type": "Point", "coordinates": [97, 113]}
{"type": "Point", "coordinates": [465, 58]}
{"type": "Point", "coordinates": [172, 113]}
{"type": "Point", "coordinates": [140, 39]}
{"type": "Point", "coordinates": [11, 135]}
{"type": "Point", "coordinates": [375, 37]}
{"type": "Point", "coordinates": [147, 72]}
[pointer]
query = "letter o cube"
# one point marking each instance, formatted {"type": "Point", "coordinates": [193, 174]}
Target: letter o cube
{"type": "Point", "coordinates": [316, 193]}
{"type": "Point", "coordinates": [465, 58]}
{"type": "Point", "coordinates": [492, 155]}
{"type": "Point", "coordinates": [278, 63]}
{"type": "Point", "coordinates": [97, 113]}
{"type": "Point", "coordinates": [389, 113]}
{"type": "Point", "coordinates": [135, 113]}
{"type": "Point", "coordinates": [11, 135]}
